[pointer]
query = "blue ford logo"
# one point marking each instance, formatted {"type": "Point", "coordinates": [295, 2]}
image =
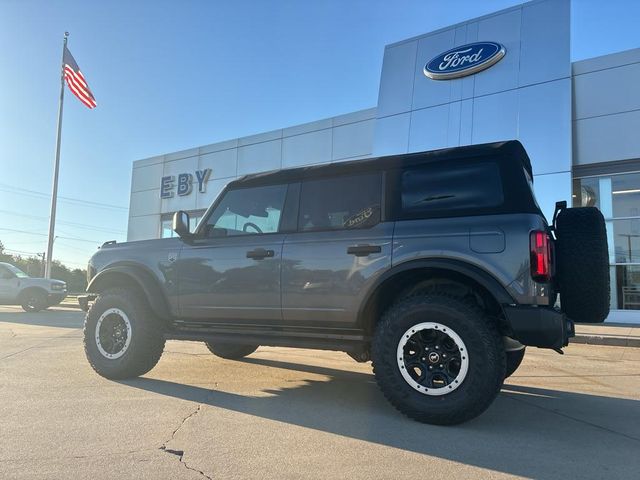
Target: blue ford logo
{"type": "Point", "coordinates": [464, 60]}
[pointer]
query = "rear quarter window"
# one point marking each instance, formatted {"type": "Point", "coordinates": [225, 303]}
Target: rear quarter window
{"type": "Point", "coordinates": [450, 188]}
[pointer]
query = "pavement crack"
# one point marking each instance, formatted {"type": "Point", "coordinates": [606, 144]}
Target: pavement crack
{"type": "Point", "coordinates": [180, 453]}
{"type": "Point", "coordinates": [184, 420]}
{"type": "Point", "coordinates": [17, 353]}
{"type": "Point", "coordinates": [34, 346]}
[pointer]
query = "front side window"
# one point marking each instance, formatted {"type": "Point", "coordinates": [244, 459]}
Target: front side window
{"type": "Point", "coordinates": [16, 271]}
{"type": "Point", "coordinates": [248, 211]}
{"type": "Point", "coordinates": [444, 187]}
{"type": "Point", "coordinates": [340, 203]}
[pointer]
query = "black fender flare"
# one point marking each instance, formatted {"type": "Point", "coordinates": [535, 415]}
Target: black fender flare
{"type": "Point", "coordinates": [144, 280]}
{"type": "Point", "coordinates": [473, 272]}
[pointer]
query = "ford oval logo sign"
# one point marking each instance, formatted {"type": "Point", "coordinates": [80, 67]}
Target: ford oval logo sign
{"type": "Point", "coordinates": [464, 60]}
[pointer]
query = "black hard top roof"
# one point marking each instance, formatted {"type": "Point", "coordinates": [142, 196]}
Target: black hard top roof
{"type": "Point", "coordinates": [511, 149]}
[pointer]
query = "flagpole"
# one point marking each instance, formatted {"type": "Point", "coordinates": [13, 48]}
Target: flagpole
{"type": "Point", "coordinates": [56, 168]}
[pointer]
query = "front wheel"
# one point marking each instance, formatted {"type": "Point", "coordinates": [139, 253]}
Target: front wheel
{"type": "Point", "coordinates": [122, 338]}
{"type": "Point", "coordinates": [438, 359]}
{"type": "Point", "coordinates": [33, 301]}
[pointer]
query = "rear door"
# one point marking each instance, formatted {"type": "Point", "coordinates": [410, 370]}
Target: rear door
{"type": "Point", "coordinates": [340, 248]}
{"type": "Point", "coordinates": [231, 273]}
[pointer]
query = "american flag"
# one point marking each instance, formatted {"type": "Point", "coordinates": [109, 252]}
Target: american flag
{"type": "Point", "coordinates": [76, 81]}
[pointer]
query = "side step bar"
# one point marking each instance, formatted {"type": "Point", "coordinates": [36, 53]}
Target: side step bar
{"type": "Point", "coordinates": [277, 339]}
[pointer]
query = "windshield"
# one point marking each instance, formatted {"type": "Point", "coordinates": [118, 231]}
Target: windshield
{"type": "Point", "coordinates": [16, 271]}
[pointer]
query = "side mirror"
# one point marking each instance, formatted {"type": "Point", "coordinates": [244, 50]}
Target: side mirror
{"type": "Point", "coordinates": [181, 224]}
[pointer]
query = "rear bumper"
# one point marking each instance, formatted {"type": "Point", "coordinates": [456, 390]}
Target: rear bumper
{"type": "Point", "coordinates": [543, 327]}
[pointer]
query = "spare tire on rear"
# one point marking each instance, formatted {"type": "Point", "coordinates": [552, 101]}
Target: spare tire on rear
{"type": "Point", "coordinates": [582, 264]}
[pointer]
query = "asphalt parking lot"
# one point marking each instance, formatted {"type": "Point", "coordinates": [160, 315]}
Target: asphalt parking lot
{"type": "Point", "coordinates": [288, 413]}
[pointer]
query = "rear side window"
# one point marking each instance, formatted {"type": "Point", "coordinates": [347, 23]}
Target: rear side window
{"type": "Point", "coordinates": [451, 188]}
{"type": "Point", "coordinates": [340, 203]}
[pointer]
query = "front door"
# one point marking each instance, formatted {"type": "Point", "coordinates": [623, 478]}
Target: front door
{"type": "Point", "coordinates": [340, 249]}
{"type": "Point", "coordinates": [231, 271]}
{"type": "Point", "coordinates": [8, 285]}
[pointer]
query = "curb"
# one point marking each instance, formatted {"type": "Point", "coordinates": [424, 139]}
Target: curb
{"type": "Point", "coordinates": [608, 341]}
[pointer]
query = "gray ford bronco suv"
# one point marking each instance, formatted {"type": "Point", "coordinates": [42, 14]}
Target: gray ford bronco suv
{"type": "Point", "coordinates": [33, 294]}
{"type": "Point", "coordinates": [439, 267]}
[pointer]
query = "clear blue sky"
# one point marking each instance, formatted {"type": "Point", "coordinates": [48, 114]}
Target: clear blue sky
{"type": "Point", "coordinates": [170, 75]}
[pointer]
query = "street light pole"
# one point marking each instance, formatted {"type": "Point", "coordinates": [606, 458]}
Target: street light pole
{"type": "Point", "coordinates": [56, 168]}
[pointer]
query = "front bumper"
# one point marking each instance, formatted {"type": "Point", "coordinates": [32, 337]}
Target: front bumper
{"type": "Point", "coordinates": [83, 301]}
{"type": "Point", "coordinates": [543, 327]}
{"type": "Point", "coordinates": [56, 298]}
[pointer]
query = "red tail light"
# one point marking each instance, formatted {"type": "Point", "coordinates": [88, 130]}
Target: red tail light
{"type": "Point", "coordinates": [540, 256]}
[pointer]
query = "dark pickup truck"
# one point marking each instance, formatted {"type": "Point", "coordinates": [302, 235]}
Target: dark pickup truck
{"type": "Point", "coordinates": [439, 267]}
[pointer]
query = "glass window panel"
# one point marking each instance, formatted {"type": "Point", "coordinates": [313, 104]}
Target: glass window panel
{"type": "Point", "coordinates": [626, 195]}
{"type": "Point", "coordinates": [627, 287]}
{"type": "Point", "coordinates": [586, 192]}
{"type": "Point", "coordinates": [166, 231]}
{"type": "Point", "coordinates": [341, 202]}
{"type": "Point", "coordinates": [439, 187]}
{"type": "Point", "coordinates": [250, 210]}
{"type": "Point", "coordinates": [617, 196]}
{"type": "Point", "coordinates": [626, 238]}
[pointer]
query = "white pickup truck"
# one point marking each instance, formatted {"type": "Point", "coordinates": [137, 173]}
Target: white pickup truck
{"type": "Point", "coordinates": [33, 294]}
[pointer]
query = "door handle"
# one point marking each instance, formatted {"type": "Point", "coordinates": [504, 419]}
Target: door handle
{"type": "Point", "coordinates": [260, 253]}
{"type": "Point", "coordinates": [363, 250]}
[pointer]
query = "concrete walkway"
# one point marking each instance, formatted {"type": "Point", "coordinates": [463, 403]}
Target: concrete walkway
{"type": "Point", "coordinates": [607, 334]}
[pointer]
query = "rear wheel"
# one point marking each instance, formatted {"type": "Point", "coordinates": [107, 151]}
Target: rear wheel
{"type": "Point", "coordinates": [230, 351]}
{"type": "Point", "coordinates": [514, 359]}
{"type": "Point", "coordinates": [122, 338]}
{"type": "Point", "coordinates": [438, 359]}
{"type": "Point", "coordinates": [33, 300]}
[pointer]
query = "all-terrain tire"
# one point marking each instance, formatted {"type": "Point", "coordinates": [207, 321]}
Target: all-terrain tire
{"type": "Point", "coordinates": [484, 346]}
{"type": "Point", "coordinates": [582, 264]}
{"type": "Point", "coordinates": [146, 339]}
{"type": "Point", "coordinates": [514, 359]}
{"type": "Point", "coordinates": [33, 300]}
{"type": "Point", "coordinates": [230, 351]}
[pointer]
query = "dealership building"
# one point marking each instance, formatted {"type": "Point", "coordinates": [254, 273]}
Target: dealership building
{"type": "Point", "coordinates": [507, 75]}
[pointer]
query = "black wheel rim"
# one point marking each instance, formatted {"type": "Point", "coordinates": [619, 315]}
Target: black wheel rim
{"type": "Point", "coordinates": [113, 333]}
{"type": "Point", "coordinates": [432, 358]}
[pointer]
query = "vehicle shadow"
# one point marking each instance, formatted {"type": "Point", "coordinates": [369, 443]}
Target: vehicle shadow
{"type": "Point", "coordinates": [532, 432]}
{"type": "Point", "coordinates": [46, 318]}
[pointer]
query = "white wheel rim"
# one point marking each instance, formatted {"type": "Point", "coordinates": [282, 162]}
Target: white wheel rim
{"type": "Point", "coordinates": [430, 356]}
{"type": "Point", "coordinates": [112, 355]}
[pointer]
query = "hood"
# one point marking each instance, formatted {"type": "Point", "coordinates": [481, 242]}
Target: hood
{"type": "Point", "coordinates": [41, 282]}
{"type": "Point", "coordinates": [146, 252]}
